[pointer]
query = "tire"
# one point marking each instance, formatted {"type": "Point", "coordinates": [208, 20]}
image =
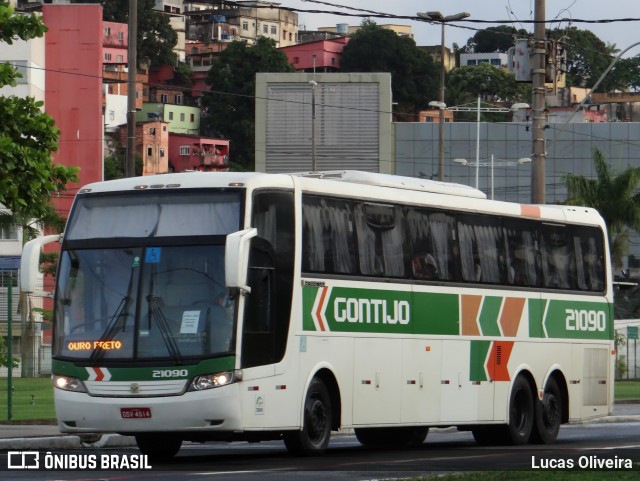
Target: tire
{"type": "Point", "coordinates": [314, 437]}
{"type": "Point", "coordinates": [548, 415]}
{"type": "Point", "coordinates": [391, 437]}
{"type": "Point", "coordinates": [521, 412]}
{"type": "Point", "coordinates": [158, 446]}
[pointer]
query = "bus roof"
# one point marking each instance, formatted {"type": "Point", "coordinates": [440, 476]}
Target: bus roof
{"type": "Point", "coordinates": [397, 181]}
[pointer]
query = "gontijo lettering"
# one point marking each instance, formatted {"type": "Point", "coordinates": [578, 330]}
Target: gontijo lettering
{"type": "Point", "coordinates": [371, 311]}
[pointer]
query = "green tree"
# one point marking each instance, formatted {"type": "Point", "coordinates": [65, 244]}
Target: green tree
{"type": "Point", "coordinates": [414, 76]}
{"type": "Point", "coordinates": [230, 105]}
{"type": "Point", "coordinates": [494, 39]}
{"type": "Point", "coordinates": [587, 57]}
{"type": "Point", "coordinates": [28, 136]}
{"type": "Point", "coordinates": [613, 194]}
{"type": "Point", "coordinates": [28, 177]}
{"type": "Point", "coordinates": [493, 84]}
{"type": "Point", "coordinates": [156, 38]}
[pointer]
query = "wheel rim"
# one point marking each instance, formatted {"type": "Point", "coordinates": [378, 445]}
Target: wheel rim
{"type": "Point", "coordinates": [316, 420]}
{"type": "Point", "coordinates": [551, 411]}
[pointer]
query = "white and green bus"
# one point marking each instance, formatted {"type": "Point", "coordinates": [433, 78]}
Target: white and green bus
{"type": "Point", "coordinates": [251, 306]}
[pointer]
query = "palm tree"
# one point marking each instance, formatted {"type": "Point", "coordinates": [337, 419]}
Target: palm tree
{"type": "Point", "coordinates": [615, 195]}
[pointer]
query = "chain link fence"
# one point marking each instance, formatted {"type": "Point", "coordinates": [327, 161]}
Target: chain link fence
{"type": "Point", "coordinates": [26, 393]}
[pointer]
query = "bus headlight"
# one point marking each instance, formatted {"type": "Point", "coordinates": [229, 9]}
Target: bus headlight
{"type": "Point", "coordinates": [67, 383]}
{"type": "Point", "coordinates": [219, 379]}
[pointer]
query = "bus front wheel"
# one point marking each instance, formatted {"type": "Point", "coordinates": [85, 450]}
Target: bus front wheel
{"type": "Point", "coordinates": [158, 446]}
{"type": "Point", "coordinates": [314, 436]}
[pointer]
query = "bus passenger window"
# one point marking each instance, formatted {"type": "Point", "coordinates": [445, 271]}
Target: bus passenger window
{"type": "Point", "coordinates": [327, 235]}
{"type": "Point", "coordinates": [381, 234]}
{"type": "Point", "coordinates": [558, 259]}
{"type": "Point", "coordinates": [521, 255]}
{"type": "Point", "coordinates": [589, 255]}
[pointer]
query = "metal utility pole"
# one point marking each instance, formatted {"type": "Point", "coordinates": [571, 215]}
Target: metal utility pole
{"type": "Point", "coordinates": [131, 89]}
{"type": "Point", "coordinates": [538, 106]}
{"type": "Point", "coordinates": [439, 17]}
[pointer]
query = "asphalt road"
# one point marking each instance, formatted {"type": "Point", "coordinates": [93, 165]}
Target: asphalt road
{"type": "Point", "coordinates": [444, 451]}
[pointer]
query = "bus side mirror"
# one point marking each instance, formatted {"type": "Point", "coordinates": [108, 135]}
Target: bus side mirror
{"type": "Point", "coordinates": [236, 259]}
{"type": "Point", "coordinates": [30, 263]}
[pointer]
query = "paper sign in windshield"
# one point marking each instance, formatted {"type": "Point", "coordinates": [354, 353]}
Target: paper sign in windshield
{"type": "Point", "coordinates": [190, 321]}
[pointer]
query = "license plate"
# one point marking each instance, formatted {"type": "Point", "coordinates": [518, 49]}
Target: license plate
{"type": "Point", "coordinates": [135, 413]}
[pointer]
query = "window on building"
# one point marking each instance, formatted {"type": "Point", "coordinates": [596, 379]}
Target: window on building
{"type": "Point", "coordinates": [107, 31]}
{"type": "Point", "coordinates": [120, 35]}
{"type": "Point", "coordinates": [284, 35]}
{"type": "Point", "coordinates": [170, 115]}
{"type": "Point", "coordinates": [152, 131]}
{"type": "Point", "coordinates": [112, 115]}
{"type": "Point", "coordinates": [164, 128]}
{"type": "Point", "coordinates": [8, 232]}
{"type": "Point", "coordinates": [290, 36]}
{"type": "Point", "coordinates": [164, 98]}
{"type": "Point", "coordinates": [184, 150]}
{"type": "Point", "coordinates": [333, 60]}
{"type": "Point", "coordinates": [192, 118]}
{"type": "Point", "coordinates": [161, 152]}
{"type": "Point", "coordinates": [274, 30]}
{"type": "Point", "coordinates": [471, 62]}
{"type": "Point", "coordinates": [119, 58]}
{"type": "Point", "coordinates": [265, 29]}
{"type": "Point", "coordinates": [149, 151]}
{"type": "Point", "coordinates": [178, 99]}
{"type": "Point", "coordinates": [182, 117]}
{"type": "Point", "coordinates": [245, 26]}
{"type": "Point", "coordinates": [495, 61]}
{"type": "Point", "coordinates": [107, 56]}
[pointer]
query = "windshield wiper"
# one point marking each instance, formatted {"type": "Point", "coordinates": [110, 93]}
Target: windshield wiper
{"type": "Point", "coordinates": [163, 324]}
{"type": "Point", "coordinates": [110, 330]}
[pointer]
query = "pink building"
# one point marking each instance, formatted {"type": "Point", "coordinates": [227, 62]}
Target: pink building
{"type": "Point", "coordinates": [192, 152]}
{"type": "Point", "coordinates": [73, 92]}
{"type": "Point", "coordinates": [324, 55]}
{"type": "Point", "coordinates": [115, 42]}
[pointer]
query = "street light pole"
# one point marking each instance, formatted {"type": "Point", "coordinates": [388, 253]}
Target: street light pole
{"type": "Point", "coordinates": [538, 106]}
{"type": "Point", "coordinates": [438, 17]}
{"type": "Point", "coordinates": [441, 111]}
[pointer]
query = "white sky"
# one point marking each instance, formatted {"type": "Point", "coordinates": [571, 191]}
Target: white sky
{"type": "Point", "coordinates": [623, 34]}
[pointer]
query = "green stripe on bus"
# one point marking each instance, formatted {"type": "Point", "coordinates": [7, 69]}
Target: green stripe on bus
{"type": "Point", "coordinates": [572, 320]}
{"type": "Point", "coordinates": [478, 357]}
{"type": "Point", "coordinates": [489, 316]}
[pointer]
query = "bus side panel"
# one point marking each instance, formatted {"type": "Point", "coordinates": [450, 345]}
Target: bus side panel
{"type": "Point", "coordinates": [377, 381]}
{"type": "Point", "coordinates": [421, 366]}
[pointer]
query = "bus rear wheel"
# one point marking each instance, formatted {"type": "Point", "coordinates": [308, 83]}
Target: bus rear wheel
{"type": "Point", "coordinates": [521, 412]}
{"type": "Point", "coordinates": [314, 437]}
{"type": "Point", "coordinates": [158, 446]}
{"type": "Point", "coordinates": [548, 414]}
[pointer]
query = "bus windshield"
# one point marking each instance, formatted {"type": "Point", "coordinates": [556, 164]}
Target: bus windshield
{"type": "Point", "coordinates": [143, 303]}
{"type": "Point", "coordinates": [160, 295]}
